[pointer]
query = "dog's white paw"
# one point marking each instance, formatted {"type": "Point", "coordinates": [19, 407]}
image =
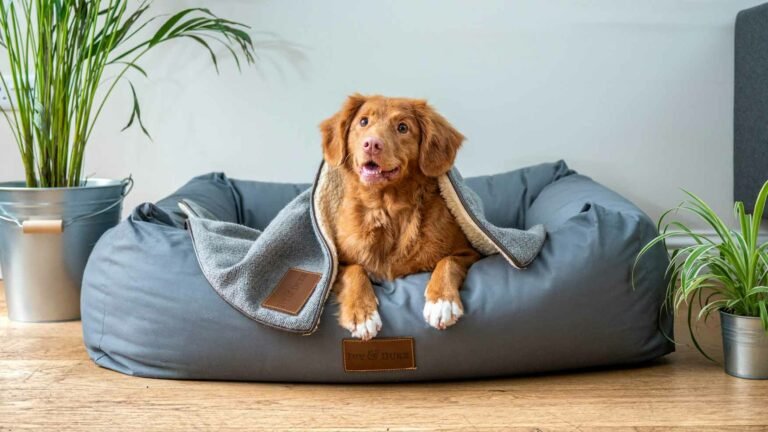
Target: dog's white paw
{"type": "Point", "coordinates": [367, 329]}
{"type": "Point", "coordinates": [442, 313]}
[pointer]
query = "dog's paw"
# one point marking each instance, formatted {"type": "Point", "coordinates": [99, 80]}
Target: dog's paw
{"type": "Point", "coordinates": [365, 328]}
{"type": "Point", "coordinates": [443, 313]}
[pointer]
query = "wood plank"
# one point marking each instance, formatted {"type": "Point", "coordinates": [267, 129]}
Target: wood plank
{"type": "Point", "coordinates": [48, 382]}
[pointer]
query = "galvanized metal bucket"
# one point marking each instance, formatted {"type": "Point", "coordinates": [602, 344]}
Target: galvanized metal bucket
{"type": "Point", "coordinates": [745, 346]}
{"type": "Point", "coordinates": [46, 236]}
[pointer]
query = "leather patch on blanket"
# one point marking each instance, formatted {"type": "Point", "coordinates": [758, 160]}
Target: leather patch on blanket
{"type": "Point", "coordinates": [377, 355]}
{"type": "Point", "coordinates": [292, 291]}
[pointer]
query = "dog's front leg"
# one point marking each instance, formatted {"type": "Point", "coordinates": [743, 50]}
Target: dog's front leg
{"type": "Point", "coordinates": [358, 305]}
{"type": "Point", "coordinates": [443, 303]}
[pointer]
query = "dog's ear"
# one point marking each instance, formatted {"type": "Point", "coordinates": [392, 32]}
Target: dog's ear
{"type": "Point", "coordinates": [439, 141]}
{"type": "Point", "coordinates": [336, 129]}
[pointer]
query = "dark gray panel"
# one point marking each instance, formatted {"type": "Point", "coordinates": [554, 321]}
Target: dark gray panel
{"type": "Point", "coordinates": [750, 117]}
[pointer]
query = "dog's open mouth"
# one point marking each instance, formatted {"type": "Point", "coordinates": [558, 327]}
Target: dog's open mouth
{"type": "Point", "coordinates": [371, 172]}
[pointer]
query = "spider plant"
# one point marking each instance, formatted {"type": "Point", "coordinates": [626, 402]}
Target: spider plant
{"type": "Point", "coordinates": [728, 272]}
{"type": "Point", "coordinates": [59, 51]}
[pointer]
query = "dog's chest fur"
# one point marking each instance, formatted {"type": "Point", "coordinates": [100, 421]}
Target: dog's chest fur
{"type": "Point", "coordinates": [398, 233]}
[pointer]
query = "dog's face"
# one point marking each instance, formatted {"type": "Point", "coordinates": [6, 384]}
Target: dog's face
{"type": "Point", "coordinates": [383, 141]}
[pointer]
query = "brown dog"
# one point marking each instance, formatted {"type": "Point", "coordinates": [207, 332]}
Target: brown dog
{"type": "Point", "coordinates": [392, 220]}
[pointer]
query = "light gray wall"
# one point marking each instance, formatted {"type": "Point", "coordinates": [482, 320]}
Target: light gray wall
{"type": "Point", "coordinates": [637, 94]}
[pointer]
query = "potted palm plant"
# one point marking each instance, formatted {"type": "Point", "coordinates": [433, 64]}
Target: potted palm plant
{"type": "Point", "coordinates": [728, 274]}
{"type": "Point", "coordinates": [58, 52]}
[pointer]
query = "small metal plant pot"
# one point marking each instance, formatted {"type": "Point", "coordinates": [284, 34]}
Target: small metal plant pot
{"type": "Point", "coordinates": [745, 346]}
{"type": "Point", "coordinates": [46, 237]}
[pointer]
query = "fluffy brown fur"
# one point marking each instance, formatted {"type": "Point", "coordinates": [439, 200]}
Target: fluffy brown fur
{"type": "Point", "coordinates": [395, 222]}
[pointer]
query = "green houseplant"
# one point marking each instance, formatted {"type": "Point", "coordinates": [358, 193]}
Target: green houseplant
{"type": "Point", "coordinates": [727, 273]}
{"type": "Point", "coordinates": [58, 53]}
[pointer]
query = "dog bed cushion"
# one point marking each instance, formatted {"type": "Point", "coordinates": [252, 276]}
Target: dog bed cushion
{"type": "Point", "coordinates": [147, 309]}
{"type": "Point", "coordinates": [295, 256]}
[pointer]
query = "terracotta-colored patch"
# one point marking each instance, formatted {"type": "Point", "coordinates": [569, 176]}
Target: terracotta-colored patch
{"type": "Point", "coordinates": [378, 355]}
{"type": "Point", "coordinates": [293, 291]}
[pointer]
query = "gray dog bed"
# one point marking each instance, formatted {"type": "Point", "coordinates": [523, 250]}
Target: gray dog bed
{"type": "Point", "coordinates": [148, 310]}
{"type": "Point", "coordinates": [281, 276]}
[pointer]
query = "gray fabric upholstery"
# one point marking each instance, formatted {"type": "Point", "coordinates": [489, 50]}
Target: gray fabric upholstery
{"type": "Point", "coordinates": [148, 310]}
{"type": "Point", "coordinates": [521, 245]}
{"type": "Point", "coordinates": [244, 264]}
{"type": "Point", "coordinates": [750, 116]}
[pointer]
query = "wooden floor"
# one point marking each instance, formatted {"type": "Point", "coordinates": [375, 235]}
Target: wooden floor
{"type": "Point", "coordinates": [47, 382]}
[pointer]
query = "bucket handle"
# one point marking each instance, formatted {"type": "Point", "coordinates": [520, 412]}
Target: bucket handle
{"type": "Point", "coordinates": [57, 226]}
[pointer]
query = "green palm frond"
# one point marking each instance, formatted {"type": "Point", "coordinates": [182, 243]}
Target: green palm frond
{"type": "Point", "coordinates": [58, 51]}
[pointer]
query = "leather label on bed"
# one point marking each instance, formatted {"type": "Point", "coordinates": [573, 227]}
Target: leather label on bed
{"type": "Point", "coordinates": [292, 292]}
{"type": "Point", "coordinates": [377, 355]}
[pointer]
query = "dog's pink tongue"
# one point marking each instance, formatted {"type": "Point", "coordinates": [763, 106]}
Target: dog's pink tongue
{"type": "Point", "coordinates": [370, 172]}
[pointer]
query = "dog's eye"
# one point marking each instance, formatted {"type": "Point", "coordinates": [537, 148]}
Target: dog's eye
{"type": "Point", "coordinates": [402, 128]}
{"type": "Point", "coordinates": [364, 121]}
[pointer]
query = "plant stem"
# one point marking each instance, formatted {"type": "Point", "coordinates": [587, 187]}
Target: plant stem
{"type": "Point", "coordinates": [66, 46]}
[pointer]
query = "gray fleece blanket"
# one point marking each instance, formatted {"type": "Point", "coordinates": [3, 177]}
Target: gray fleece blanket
{"type": "Point", "coordinates": [282, 276]}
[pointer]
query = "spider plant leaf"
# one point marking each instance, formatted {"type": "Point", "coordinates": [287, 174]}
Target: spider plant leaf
{"type": "Point", "coordinates": [693, 334]}
{"type": "Point", "coordinates": [705, 311]}
{"type": "Point", "coordinates": [721, 267]}
{"type": "Point", "coordinates": [658, 239]}
{"type": "Point", "coordinates": [695, 286]}
{"type": "Point", "coordinates": [757, 213]}
{"type": "Point", "coordinates": [665, 214]}
{"type": "Point", "coordinates": [744, 223]}
{"type": "Point", "coordinates": [762, 279]}
{"type": "Point", "coordinates": [698, 238]}
{"type": "Point", "coordinates": [763, 314]}
{"type": "Point", "coordinates": [757, 290]}
{"type": "Point", "coordinates": [660, 325]}
{"type": "Point", "coordinates": [742, 250]}
{"type": "Point", "coordinates": [693, 264]}
{"type": "Point", "coordinates": [708, 300]}
{"type": "Point", "coordinates": [673, 269]}
{"type": "Point", "coordinates": [700, 294]}
{"type": "Point", "coordinates": [701, 208]}
{"type": "Point", "coordinates": [728, 264]}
